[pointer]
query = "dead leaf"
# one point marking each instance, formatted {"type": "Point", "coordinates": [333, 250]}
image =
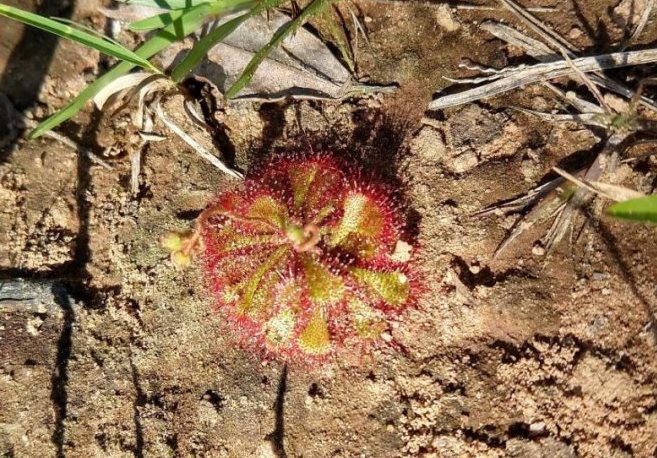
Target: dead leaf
{"type": "Point", "coordinates": [302, 65]}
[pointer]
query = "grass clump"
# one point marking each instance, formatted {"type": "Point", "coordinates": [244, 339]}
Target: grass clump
{"type": "Point", "coordinates": [180, 19]}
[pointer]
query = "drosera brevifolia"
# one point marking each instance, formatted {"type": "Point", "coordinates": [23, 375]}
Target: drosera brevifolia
{"type": "Point", "coordinates": [305, 257]}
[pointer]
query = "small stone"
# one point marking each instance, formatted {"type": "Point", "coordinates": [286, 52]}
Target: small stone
{"type": "Point", "coordinates": [464, 162]}
{"type": "Point", "coordinates": [538, 250]}
{"type": "Point", "coordinates": [33, 325]}
{"type": "Point", "coordinates": [115, 28]}
{"type": "Point", "coordinates": [429, 145]}
{"type": "Point", "coordinates": [575, 33]}
{"type": "Point", "coordinates": [599, 276]}
{"type": "Point", "coordinates": [61, 213]}
{"type": "Point", "coordinates": [446, 19]}
{"type": "Point", "coordinates": [537, 428]}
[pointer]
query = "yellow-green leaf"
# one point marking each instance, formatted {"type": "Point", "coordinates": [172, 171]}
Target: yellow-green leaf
{"type": "Point", "coordinates": [268, 210]}
{"type": "Point", "coordinates": [361, 216]}
{"type": "Point", "coordinates": [392, 287]}
{"type": "Point", "coordinates": [324, 287]}
{"type": "Point", "coordinates": [246, 305]}
{"type": "Point", "coordinates": [315, 339]}
{"type": "Point", "coordinates": [301, 177]}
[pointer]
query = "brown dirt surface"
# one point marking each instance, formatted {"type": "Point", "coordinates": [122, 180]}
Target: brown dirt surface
{"type": "Point", "coordinates": [521, 355]}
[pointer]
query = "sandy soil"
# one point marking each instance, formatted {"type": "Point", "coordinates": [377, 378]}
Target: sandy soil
{"type": "Point", "coordinates": [519, 356]}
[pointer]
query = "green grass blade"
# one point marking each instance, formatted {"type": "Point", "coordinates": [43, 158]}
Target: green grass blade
{"type": "Point", "coordinates": [201, 48]}
{"type": "Point", "coordinates": [177, 30]}
{"type": "Point", "coordinates": [85, 28]}
{"type": "Point", "coordinates": [155, 22]}
{"type": "Point", "coordinates": [161, 20]}
{"type": "Point", "coordinates": [167, 4]}
{"type": "Point", "coordinates": [314, 8]}
{"type": "Point", "coordinates": [641, 209]}
{"type": "Point", "coordinates": [75, 34]}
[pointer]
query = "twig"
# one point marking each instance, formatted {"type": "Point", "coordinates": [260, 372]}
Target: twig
{"type": "Point", "coordinates": [522, 202]}
{"type": "Point", "coordinates": [643, 20]}
{"type": "Point", "coordinates": [348, 90]}
{"type": "Point", "coordinates": [590, 119]}
{"type": "Point", "coordinates": [550, 36]}
{"type": "Point", "coordinates": [610, 191]}
{"type": "Point", "coordinates": [564, 48]}
{"type": "Point", "coordinates": [581, 183]}
{"type": "Point", "coordinates": [546, 71]}
{"type": "Point", "coordinates": [358, 26]}
{"type": "Point", "coordinates": [466, 6]}
{"type": "Point", "coordinates": [581, 105]}
{"type": "Point", "coordinates": [135, 168]}
{"type": "Point", "coordinates": [536, 215]}
{"type": "Point", "coordinates": [537, 49]}
{"type": "Point", "coordinates": [543, 53]}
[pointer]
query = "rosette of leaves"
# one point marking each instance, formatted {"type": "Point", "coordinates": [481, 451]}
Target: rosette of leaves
{"type": "Point", "coordinates": [305, 257]}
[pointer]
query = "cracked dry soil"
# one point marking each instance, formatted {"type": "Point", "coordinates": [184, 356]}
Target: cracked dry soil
{"type": "Point", "coordinates": [516, 356]}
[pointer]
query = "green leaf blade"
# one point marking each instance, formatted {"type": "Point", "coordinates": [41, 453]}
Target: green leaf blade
{"type": "Point", "coordinates": [155, 22]}
{"type": "Point", "coordinates": [642, 209]}
{"type": "Point", "coordinates": [203, 46]}
{"type": "Point", "coordinates": [316, 7]}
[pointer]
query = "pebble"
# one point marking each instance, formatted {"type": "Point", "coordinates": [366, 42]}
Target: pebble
{"type": "Point", "coordinates": [463, 162]}
{"type": "Point", "coordinates": [537, 428]}
{"type": "Point", "coordinates": [538, 250]}
{"type": "Point", "coordinates": [446, 19]}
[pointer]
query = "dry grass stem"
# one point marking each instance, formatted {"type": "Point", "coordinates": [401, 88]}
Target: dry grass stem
{"type": "Point", "coordinates": [643, 20]}
{"type": "Point", "coordinates": [519, 77]}
{"type": "Point", "coordinates": [467, 6]}
{"type": "Point", "coordinates": [610, 191]}
{"type": "Point", "coordinates": [543, 53]}
{"type": "Point", "coordinates": [197, 147]}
